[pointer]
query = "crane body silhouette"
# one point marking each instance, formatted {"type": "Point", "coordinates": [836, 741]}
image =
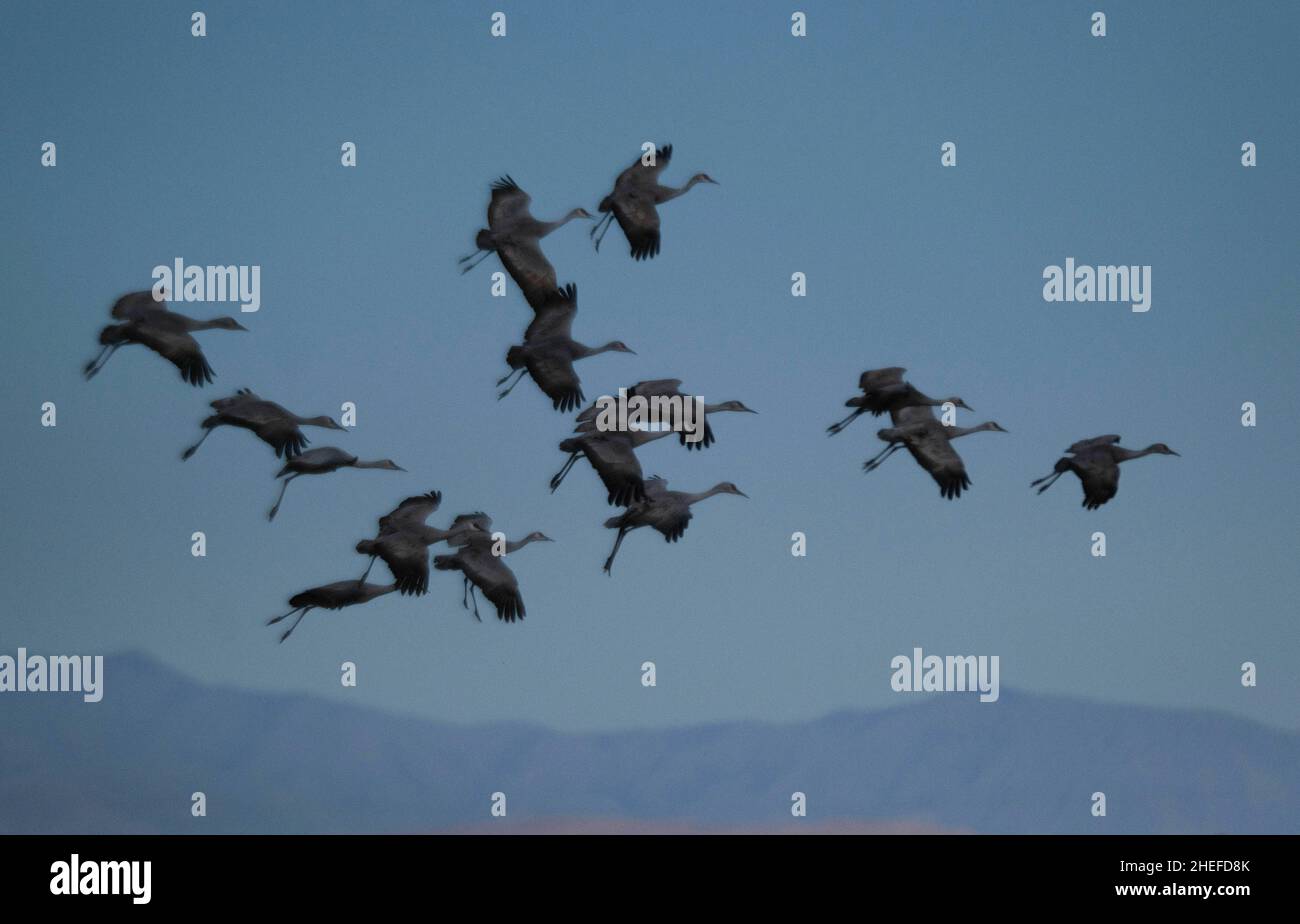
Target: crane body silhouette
{"type": "Point", "coordinates": [514, 235]}
{"type": "Point", "coordinates": [150, 323]}
{"type": "Point", "coordinates": [634, 203]}
{"type": "Point", "coordinates": [481, 568]}
{"type": "Point", "coordinates": [549, 351]}
{"type": "Point", "coordinates": [322, 461]}
{"type": "Point", "coordinates": [1096, 461]}
{"type": "Point", "coordinates": [273, 425]}
{"type": "Point", "coordinates": [404, 538]}
{"type": "Point", "coordinates": [885, 391]}
{"type": "Point", "coordinates": [334, 596]}
{"type": "Point", "coordinates": [667, 512]}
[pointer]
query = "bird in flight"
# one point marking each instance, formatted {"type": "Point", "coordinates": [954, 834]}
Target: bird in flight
{"type": "Point", "coordinates": [148, 322]}
{"type": "Point", "coordinates": [1096, 462]}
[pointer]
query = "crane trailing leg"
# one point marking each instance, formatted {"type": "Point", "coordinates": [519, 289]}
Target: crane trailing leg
{"type": "Point", "coordinates": [597, 233]}
{"type": "Point", "coordinates": [300, 610]}
{"type": "Point", "coordinates": [609, 562]}
{"type": "Point", "coordinates": [879, 458]}
{"type": "Point", "coordinates": [93, 367]}
{"type": "Point", "coordinates": [840, 425]}
{"type": "Point", "coordinates": [558, 477]}
{"type": "Point", "coordinates": [1062, 466]}
{"type": "Point", "coordinates": [466, 260]}
{"type": "Point", "coordinates": [207, 431]}
{"type": "Point", "coordinates": [276, 509]}
{"type": "Point", "coordinates": [519, 377]}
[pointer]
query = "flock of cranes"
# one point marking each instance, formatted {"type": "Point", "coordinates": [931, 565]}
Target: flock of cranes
{"type": "Point", "coordinates": [547, 355]}
{"type": "Point", "coordinates": [884, 391]}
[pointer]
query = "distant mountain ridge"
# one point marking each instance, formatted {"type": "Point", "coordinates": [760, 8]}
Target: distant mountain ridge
{"type": "Point", "coordinates": [287, 763]}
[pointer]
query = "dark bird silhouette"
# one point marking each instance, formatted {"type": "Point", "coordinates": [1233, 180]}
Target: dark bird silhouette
{"type": "Point", "coordinates": [322, 461]}
{"type": "Point", "coordinates": [1096, 462]}
{"type": "Point", "coordinates": [634, 203]}
{"type": "Point", "coordinates": [514, 234]}
{"type": "Point", "coordinates": [330, 597]}
{"type": "Point", "coordinates": [480, 568]}
{"type": "Point", "coordinates": [612, 454]}
{"type": "Point", "coordinates": [665, 388]}
{"type": "Point", "coordinates": [549, 351]}
{"type": "Point", "coordinates": [668, 512]}
{"type": "Point", "coordinates": [930, 444]}
{"type": "Point", "coordinates": [150, 323]}
{"type": "Point", "coordinates": [404, 538]}
{"type": "Point", "coordinates": [884, 391]}
{"type": "Point", "coordinates": [274, 425]}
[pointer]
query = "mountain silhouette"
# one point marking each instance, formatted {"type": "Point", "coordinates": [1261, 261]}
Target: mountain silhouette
{"type": "Point", "coordinates": [287, 763]}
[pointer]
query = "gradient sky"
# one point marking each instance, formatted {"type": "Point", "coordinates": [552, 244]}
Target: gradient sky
{"type": "Point", "coordinates": [226, 150]}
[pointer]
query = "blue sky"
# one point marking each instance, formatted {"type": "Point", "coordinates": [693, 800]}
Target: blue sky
{"type": "Point", "coordinates": [225, 149]}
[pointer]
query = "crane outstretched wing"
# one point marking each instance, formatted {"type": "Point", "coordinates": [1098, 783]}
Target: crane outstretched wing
{"type": "Point", "coordinates": [411, 513]}
{"type": "Point", "coordinates": [639, 219]}
{"type": "Point", "coordinates": [490, 574]}
{"type": "Point", "coordinates": [641, 173]}
{"type": "Point", "coordinates": [612, 457]}
{"type": "Point", "coordinates": [137, 306]}
{"type": "Point", "coordinates": [929, 446]}
{"type": "Point", "coordinates": [1099, 473]}
{"type": "Point", "coordinates": [876, 378]}
{"type": "Point", "coordinates": [509, 203]}
{"type": "Point", "coordinates": [555, 376]}
{"type": "Point", "coordinates": [1083, 445]}
{"type": "Point", "coordinates": [553, 316]}
{"type": "Point", "coordinates": [178, 348]}
{"type": "Point", "coordinates": [283, 436]}
{"type": "Point", "coordinates": [408, 559]}
{"type": "Point", "coordinates": [528, 267]}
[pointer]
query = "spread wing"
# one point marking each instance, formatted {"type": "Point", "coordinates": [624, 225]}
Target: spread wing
{"type": "Point", "coordinates": [241, 397]}
{"type": "Point", "coordinates": [637, 216]}
{"type": "Point", "coordinates": [1100, 476]}
{"type": "Point", "coordinates": [619, 470]}
{"type": "Point", "coordinates": [408, 559]}
{"type": "Point", "coordinates": [283, 435]}
{"type": "Point", "coordinates": [913, 414]}
{"type": "Point", "coordinates": [137, 306]}
{"type": "Point", "coordinates": [929, 446]}
{"type": "Point", "coordinates": [490, 574]}
{"type": "Point", "coordinates": [177, 347]}
{"type": "Point", "coordinates": [553, 315]}
{"type": "Point", "coordinates": [509, 203]}
{"type": "Point", "coordinates": [528, 267]}
{"type": "Point", "coordinates": [1083, 445]}
{"type": "Point", "coordinates": [650, 388]}
{"type": "Point", "coordinates": [410, 514]}
{"type": "Point", "coordinates": [554, 374]}
{"type": "Point", "coordinates": [640, 173]}
{"type": "Point", "coordinates": [877, 378]}
{"type": "Point", "coordinates": [674, 515]}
